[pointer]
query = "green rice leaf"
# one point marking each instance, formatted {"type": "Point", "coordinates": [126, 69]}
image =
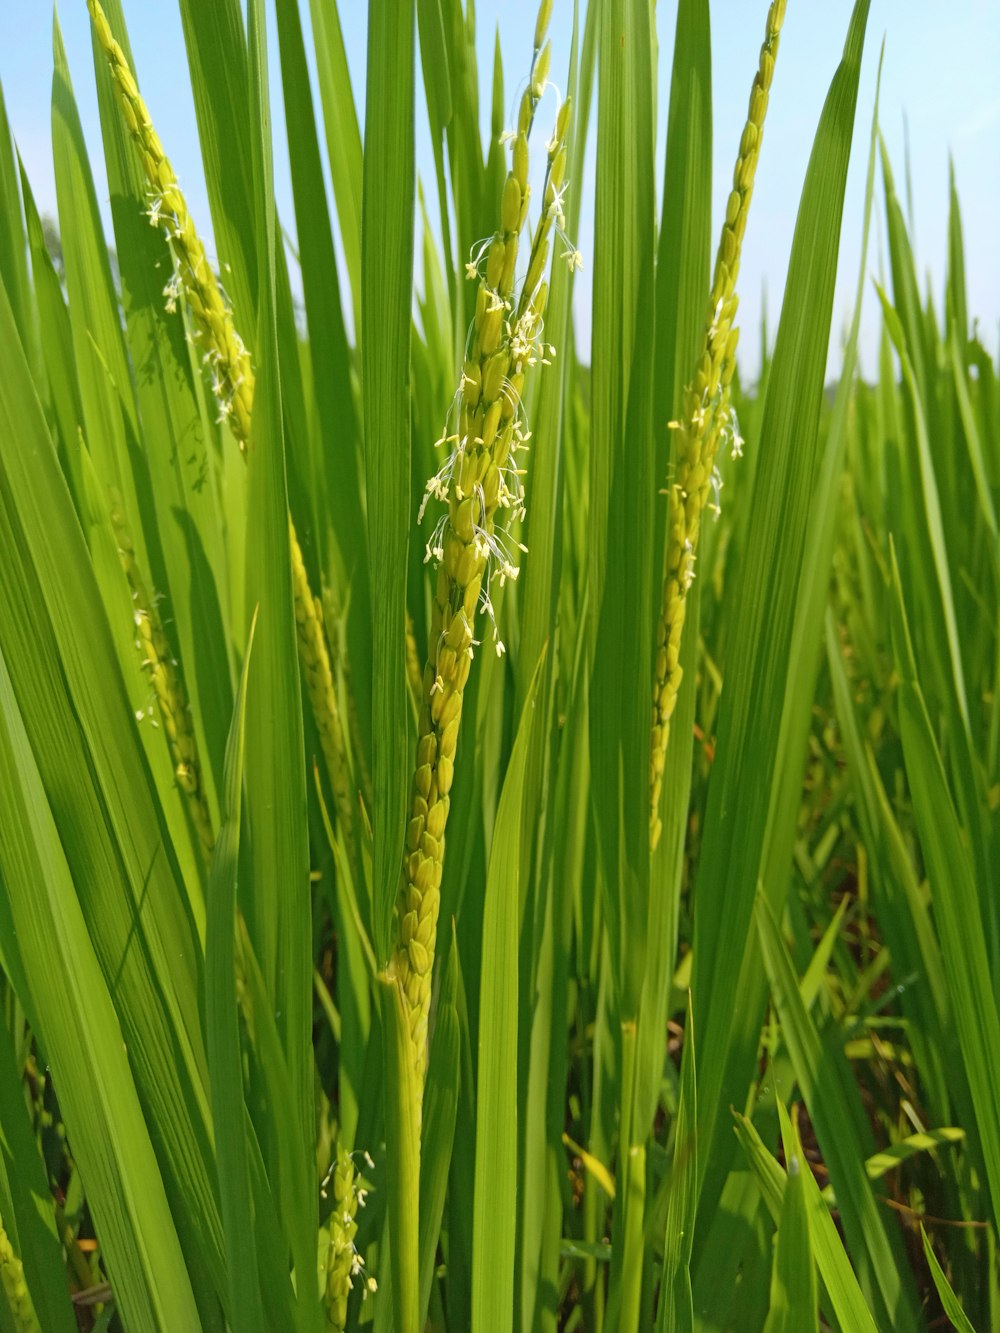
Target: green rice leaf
{"type": "Point", "coordinates": [474, 209]}
{"type": "Point", "coordinates": [387, 285]}
{"type": "Point", "coordinates": [109, 412]}
{"type": "Point", "coordinates": [793, 1281]}
{"type": "Point", "coordinates": [970, 426]}
{"type": "Point", "coordinates": [903, 911]}
{"type": "Point", "coordinates": [13, 246]}
{"type": "Point", "coordinates": [843, 1133]}
{"type": "Point", "coordinates": [276, 895]}
{"type": "Point", "coordinates": [952, 1305]}
{"type": "Point", "coordinates": [223, 1035]}
{"type": "Point", "coordinates": [929, 535]}
{"type": "Point", "coordinates": [835, 1269]}
{"type": "Point", "coordinates": [957, 309]}
{"type": "Point", "coordinates": [343, 139]}
{"type": "Point", "coordinates": [890, 1157]}
{"type": "Point", "coordinates": [904, 280]}
{"type": "Point", "coordinates": [622, 482]}
{"type": "Point", "coordinates": [620, 582]}
{"type": "Point", "coordinates": [684, 247]}
{"type": "Point", "coordinates": [676, 1301]}
{"type": "Point", "coordinates": [55, 335]}
{"type": "Point", "coordinates": [74, 706]}
{"type": "Point", "coordinates": [85, 1047]}
{"type": "Point", "coordinates": [954, 898]}
{"type": "Point", "coordinates": [292, 1169]}
{"type": "Point", "coordinates": [495, 1207]}
{"type": "Point", "coordinates": [434, 61]}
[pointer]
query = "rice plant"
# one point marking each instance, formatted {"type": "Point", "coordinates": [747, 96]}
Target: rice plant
{"type": "Point", "coordinates": [371, 952]}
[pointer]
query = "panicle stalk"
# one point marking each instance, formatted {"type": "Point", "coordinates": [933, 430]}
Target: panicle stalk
{"type": "Point", "coordinates": [480, 485]}
{"type": "Point", "coordinates": [232, 379]}
{"type": "Point", "coordinates": [707, 420]}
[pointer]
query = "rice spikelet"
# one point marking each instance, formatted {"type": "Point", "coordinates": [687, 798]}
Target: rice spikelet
{"type": "Point", "coordinates": [480, 483]}
{"type": "Point", "coordinates": [232, 380]}
{"type": "Point", "coordinates": [707, 420]}
{"type": "Point", "coordinates": [343, 1262]}
{"type": "Point", "coordinates": [15, 1288]}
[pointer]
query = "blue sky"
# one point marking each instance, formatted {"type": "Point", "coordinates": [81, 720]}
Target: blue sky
{"type": "Point", "coordinates": [940, 78]}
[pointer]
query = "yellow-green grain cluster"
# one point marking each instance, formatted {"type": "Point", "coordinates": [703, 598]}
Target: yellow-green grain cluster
{"type": "Point", "coordinates": [470, 545]}
{"type": "Point", "coordinates": [214, 330]}
{"type": "Point", "coordinates": [315, 662]}
{"type": "Point", "coordinates": [343, 1262]}
{"type": "Point", "coordinates": [232, 378]}
{"type": "Point", "coordinates": [158, 660]}
{"type": "Point", "coordinates": [314, 659]}
{"type": "Point", "coordinates": [15, 1288]}
{"type": "Point", "coordinates": [705, 422]}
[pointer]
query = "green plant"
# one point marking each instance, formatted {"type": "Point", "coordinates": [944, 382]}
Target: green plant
{"type": "Point", "coordinates": [261, 1068]}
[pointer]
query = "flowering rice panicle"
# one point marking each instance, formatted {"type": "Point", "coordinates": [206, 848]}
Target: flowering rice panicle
{"type": "Point", "coordinates": [707, 421]}
{"type": "Point", "coordinates": [232, 379]}
{"type": "Point", "coordinates": [343, 1262]}
{"type": "Point", "coordinates": [480, 483]}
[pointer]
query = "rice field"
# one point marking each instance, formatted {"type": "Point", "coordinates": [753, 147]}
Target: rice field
{"type": "Point", "coordinates": [492, 837]}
